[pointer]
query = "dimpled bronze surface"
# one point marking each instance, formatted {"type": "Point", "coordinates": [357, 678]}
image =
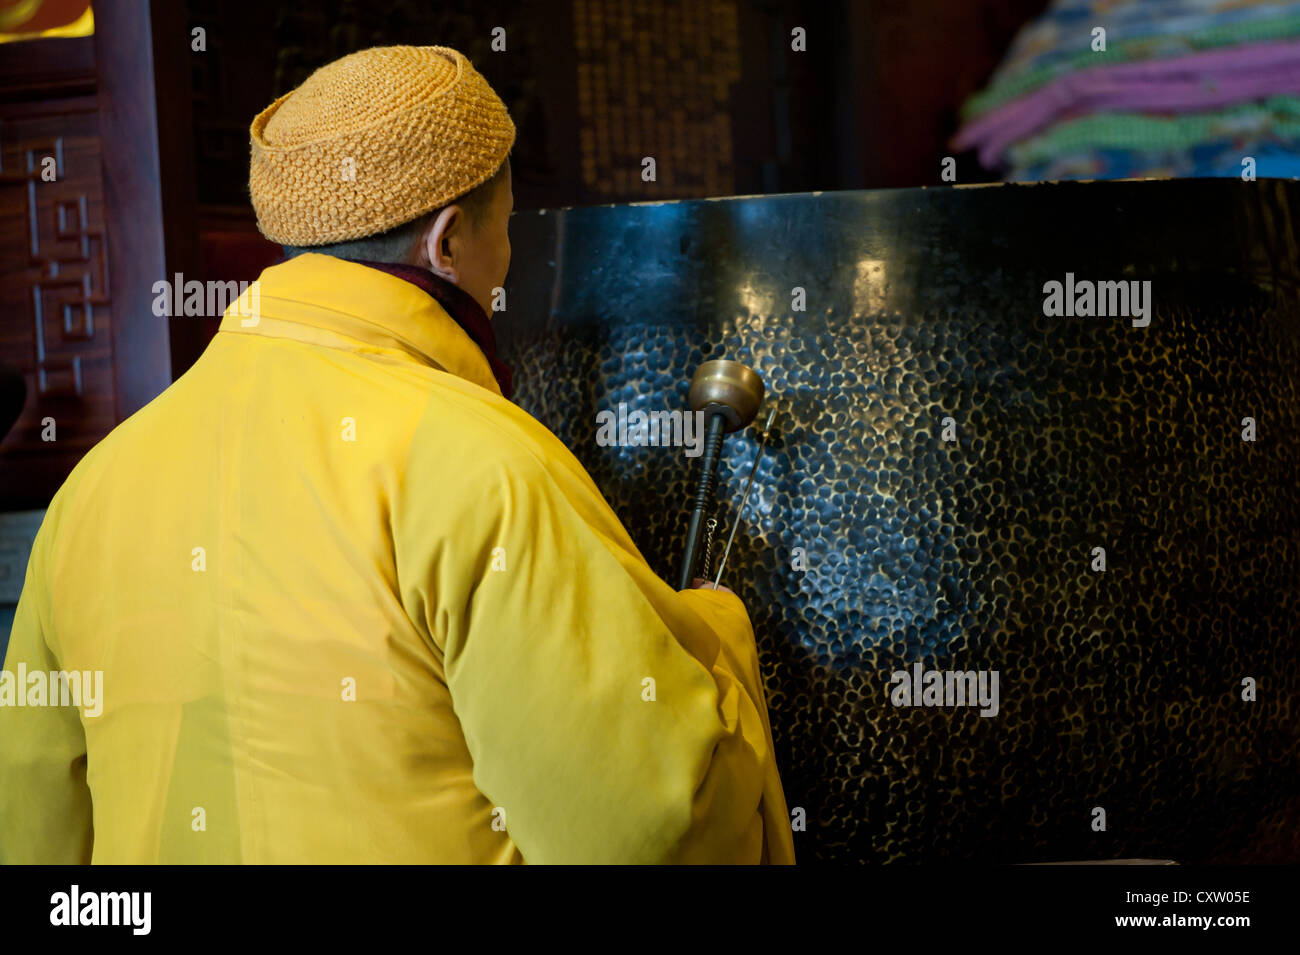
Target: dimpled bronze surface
{"type": "Point", "coordinates": [1119, 689]}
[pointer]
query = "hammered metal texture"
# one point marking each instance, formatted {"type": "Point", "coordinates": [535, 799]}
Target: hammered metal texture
{"type": "Point", "coordinates": [1119, 689]}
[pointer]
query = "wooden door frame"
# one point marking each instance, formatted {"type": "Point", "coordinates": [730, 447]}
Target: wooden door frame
{"type": "Point", "coordinates": [147, 133]}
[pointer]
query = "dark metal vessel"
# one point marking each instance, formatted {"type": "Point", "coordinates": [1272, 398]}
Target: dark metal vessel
{"type": "Point", "coordinates": [949, 460]}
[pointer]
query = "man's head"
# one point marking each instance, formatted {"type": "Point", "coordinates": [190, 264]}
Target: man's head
{"type": "Point", "coordinates": [395, 154]}
{"type": "Point", "coordinates": [466, 241]}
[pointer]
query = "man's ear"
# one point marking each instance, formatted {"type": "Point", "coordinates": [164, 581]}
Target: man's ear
{"type": "Point", "coordinates": [440, 246]}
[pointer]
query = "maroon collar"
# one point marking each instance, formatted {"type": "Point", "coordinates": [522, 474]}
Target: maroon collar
{"type": "Point", "coordinates": [462, 308]}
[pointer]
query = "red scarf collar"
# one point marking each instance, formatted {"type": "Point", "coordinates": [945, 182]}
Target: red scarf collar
{"type": "Point", "coordinates": [462, 308]}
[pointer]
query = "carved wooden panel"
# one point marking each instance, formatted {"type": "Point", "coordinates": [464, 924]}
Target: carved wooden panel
{"type": "Point", "coordinates": [54, 294]}
{"type": "Point", "coordinates": [655, 82]}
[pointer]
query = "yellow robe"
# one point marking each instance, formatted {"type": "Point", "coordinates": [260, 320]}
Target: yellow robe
{"type": "Point", "coordinates": [351, 605]}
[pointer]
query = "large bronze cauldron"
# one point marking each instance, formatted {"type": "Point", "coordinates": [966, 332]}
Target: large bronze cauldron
{"type": "Point", "coordinates": [971, 544]}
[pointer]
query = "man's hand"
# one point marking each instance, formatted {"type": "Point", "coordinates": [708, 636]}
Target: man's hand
{"type": "Point", "coordinates": [700, 583]}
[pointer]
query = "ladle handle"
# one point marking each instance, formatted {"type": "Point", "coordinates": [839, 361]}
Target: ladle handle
{"type": "Point", "coordinates": [703, 496]}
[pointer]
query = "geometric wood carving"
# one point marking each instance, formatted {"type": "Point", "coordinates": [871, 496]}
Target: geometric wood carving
{"type": "Point", "coordinates": [67, 258]}
{"type": "Point", "coordinates": [56, 321]}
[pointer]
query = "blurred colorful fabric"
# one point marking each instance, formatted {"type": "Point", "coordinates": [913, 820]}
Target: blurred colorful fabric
{"type": "Point", "coordinates": [1183, 88]}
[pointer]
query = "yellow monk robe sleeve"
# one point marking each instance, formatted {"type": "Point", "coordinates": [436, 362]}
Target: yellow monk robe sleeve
{"type": "Point", "coordinates": [45, 814]}
{"type": "Point", "coordinates": [726, 615]}
{"type": "Point", "coordinates": [610, 718]}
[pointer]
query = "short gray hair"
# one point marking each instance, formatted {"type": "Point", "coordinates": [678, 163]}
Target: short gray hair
{"type": "Point", "coordinates": [391, 246]}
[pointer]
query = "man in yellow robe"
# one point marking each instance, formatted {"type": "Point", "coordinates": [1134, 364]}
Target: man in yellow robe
{"type": "Point", "coordinates": [344, 601]}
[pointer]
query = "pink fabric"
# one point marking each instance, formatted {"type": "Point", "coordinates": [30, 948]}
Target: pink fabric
{"type": "Point", "coordinates": [1200, 81]}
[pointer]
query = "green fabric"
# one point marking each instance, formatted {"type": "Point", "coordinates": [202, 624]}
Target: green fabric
{"type": "Point", "coordinates": [1278, 116]}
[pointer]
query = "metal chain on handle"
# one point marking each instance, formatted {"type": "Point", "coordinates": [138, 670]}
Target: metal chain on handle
{"type": "Point", "coordinates": [706, 561]}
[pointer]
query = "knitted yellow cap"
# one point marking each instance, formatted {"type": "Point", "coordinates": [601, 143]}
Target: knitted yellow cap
{"type": "Point", "coordinates": [373, 140]}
